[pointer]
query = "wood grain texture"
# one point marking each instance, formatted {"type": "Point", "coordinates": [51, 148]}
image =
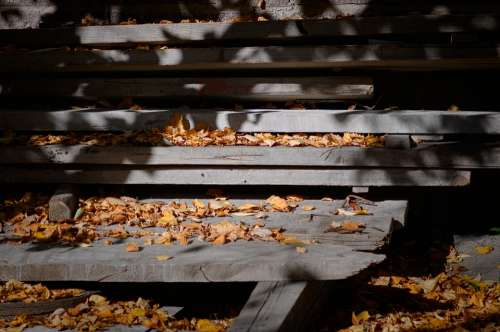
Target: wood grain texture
{"type": "Point", "coordinates": [433, 122]}
{"type": "Point", "coordinates": [238, 176]}
{"type": "Point", "coordinates": [197, 262]}
{"type": "Point", "coordinates": [234, 88]}
{"type": "Point", "coordinates": [12, 309]}
{"type": "Point", "coordinates": [205, 262]}
{"type": "Point", "coordinates": [259, 32]}
{"type": "Point", "coordinates": [392, 57]}
{"type": "Point", "coordinates": [438, 156]}
{"type": "Point", "coordinates": [33, 14]}
{"type": "Point", "coordinates": [279, 306]}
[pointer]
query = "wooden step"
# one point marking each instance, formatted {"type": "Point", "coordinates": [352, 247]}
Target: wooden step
{"type": "Point", "coordinates": [414, 122]}
{"type": "Point", "coordinates": [30, 14]}
{"type": "Point", "coordinates": [435, 156]}
{"type": "Point", "coordinates": [220, 88]}
{"type": "Point", "coordinates": [202, 175]}
{"type": "Point", "coordinates": [256, 33]}
{"type": "Point", "coordinates": [205, 262]}
{"type": "Point", "coordinates": [380, 57]}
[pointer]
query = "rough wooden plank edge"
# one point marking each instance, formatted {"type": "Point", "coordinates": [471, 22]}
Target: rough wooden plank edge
{"type": "Point", "coordinates": [235, 88]}
{"type": "Point", "coordinates": [279, 306]}
{"type": "Point", "coordinates": [32, 14]}
{"type": "Point", "coordinates": [259, 120]}
{"type": "Point", "coordinates": [240, 176]}
{"type": "Point", "coordinates": [361, 56]}
{"type": "Point", "coordinates": [63, 204]}
{"type": "Point", "coordinates": [243, 261]}
{"type": "Point", "coordinates": [182, 33]}
{"type": "Point", "coordinates": [12, 309]}
{"type": "Point", "coordinates": [436, 156]}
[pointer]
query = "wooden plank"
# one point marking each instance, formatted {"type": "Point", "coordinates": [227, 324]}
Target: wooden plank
{"type": "Point", "coordinates": [438, 156]}
{"type": "Point", "coordinates": [199, 262]}
{"type": "Point", "coordinates": [215, 58]}
{"type": "Point", "coordinates": [386, 216]}
{"type": "Point", "coordinates": [12, 309]}
{"type": "Point", "coordinates": [205, 262]}
{"type": "Point", "coordinates": [236, 88]}
{"type": "Point", "coordinates": [255, 32]}
{"type": "Point", "coordinates": [33, 14]}
{"type": "Point", "coordinates": [279, 306]}
{"type": "Point", "coordinates": [260, 120]}
{"type": "Point", "coordinates": [238, 176]}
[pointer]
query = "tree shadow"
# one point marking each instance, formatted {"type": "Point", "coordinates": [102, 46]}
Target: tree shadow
{"type": "Point", "coordinates": [416, 87]}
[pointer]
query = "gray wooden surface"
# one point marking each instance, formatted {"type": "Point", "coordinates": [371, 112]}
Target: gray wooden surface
{"type": "Point", "coordinates": [255, 57]}
{"type": "Point", "coordinates": [182, 33]}
{"type": "Point", "coordinates": [204, 262]}
{"type": "Point", "coordinates": [279, 306]}
{"type": "Point", "coordinates": [32, 14]}
{"type": "Point", "coordinates": [244, 88]}
{"type": "Point", "coordinates": [260, 120]}
{"type": "Point", "coordinates": [442, 155]}
{"type": "Point", "coordinates": [237, 176]}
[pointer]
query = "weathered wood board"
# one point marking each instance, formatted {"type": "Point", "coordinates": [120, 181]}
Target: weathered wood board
{"type": "Point", "coordinates": [305, 176]}
{"type": "Point", "coordinates": [392, 57]}
{"type": "Point", "coordinates": [197, 262]}
{"type": "Point", "coordinates": [280, 306]}
{"type": "Point", "coordinates": [33, 14]}
{"type": "Point", "coordinates": [437, 156]}
{"type": "Point", "coordinates": [255, 32]}
{"type": "Point", "coordinates": [234, 88]}
{"type": "Point", "coordinates": [433, 122]}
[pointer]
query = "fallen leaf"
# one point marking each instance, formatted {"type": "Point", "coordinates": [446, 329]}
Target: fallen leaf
{"type": "Point", "coordinates": [133, 247]}
{"type": "Point", "coordinates": [344, 212]}
{"type": "Point", "coordinates": [360, 318]}
{"type": "Point", "coordinates": [163, 258]}
{"type": "Point", "coordinates": [168, 219]}
{"type": "Point", "coordinates": [205, 325]}
{"type": "Point", "coordinates": [221, 239]}
{"type": "Point", "coordinates": [278, 203]}
{"type": "Point", "coordinates": [294, 198]}
{"type": "Point", "coordinates": [309, 207]}
{"type": "Point", "coordinates": [483, 250]}
{"type": "Point", "coordinates": [301, 250]}
{"type": "Point", "coordinates": [346, 227]}
{"type": "Point", "coordinates": [327, 199]}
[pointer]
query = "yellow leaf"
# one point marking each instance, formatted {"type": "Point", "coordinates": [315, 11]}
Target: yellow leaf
{"type": "Point", "coordinates": [309, 207]}
{"type": "Point", "coordinates": [248, 207]}
{"type": "Point", "coordinates": [292, 240]}
{"type": "Point", "coordinates": [344, 212]}
{"type": "Point", "coordinates": [133, 247]}
{"type": "Point", "coordinates": [137, 312]}
{"type": "Point", "coordinates": [278, 203]}
{"type": "Point", "coordinates": [198, 204]}
{"type": "Point", "coordinates": [168, 219]}
{"type": "Point", "coordinates": [301, 250]}
{"type": "Point", "coordinates": [163, 258]}
{"type": "Point", "coordinates": [205, 325]}
{"type": "Point", "coordinates": [483, 250]}
{"type": "Point", "coordinates": [360, 318]}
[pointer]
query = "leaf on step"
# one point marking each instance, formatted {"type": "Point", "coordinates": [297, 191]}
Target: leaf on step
{"type": "Point", "coordinates": [483, 250]}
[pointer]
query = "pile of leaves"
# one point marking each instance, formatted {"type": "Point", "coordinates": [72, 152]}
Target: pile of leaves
{"type": "Point", "coordinates": [448, 301]}
{"type": "Point", "coordinates": [97, 313]}
{"type": "Point", "coordinates": [16, 291]}
{"type": "Point", "coordinates": [197, 138]}
{"type": "Point", "coordinates": [178, 132]}
{"type": "Point", "coordinates": [27, 220]}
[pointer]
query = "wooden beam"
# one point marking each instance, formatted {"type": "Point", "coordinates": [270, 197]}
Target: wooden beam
{"type": "Point", "coordinates": [234, 88]}
{"type": "Point", "coordinates": [260, 120]}
{"type": "Point", "coordinates": [280, 306]}
{"type": "Point", "coordinates": [239, 176]}
{"type": "Point", "coordinates": [258, 57]}
{"type": "Point", "coordinates": [33, 14]}
{"type": "Point", "coordinates": [438, 156]}
{"type": "Point", "coordinates": [251, 32]}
